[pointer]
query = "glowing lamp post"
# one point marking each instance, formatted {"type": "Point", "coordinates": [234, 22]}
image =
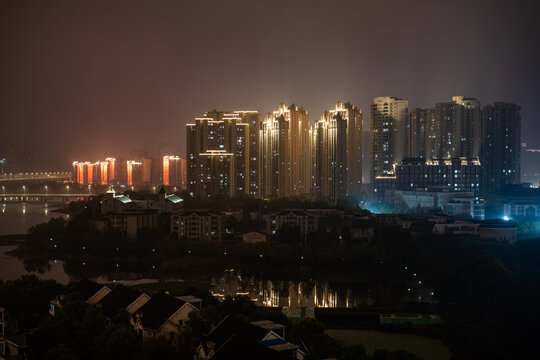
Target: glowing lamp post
{"type": "Point", "coordinates": [67, 189]}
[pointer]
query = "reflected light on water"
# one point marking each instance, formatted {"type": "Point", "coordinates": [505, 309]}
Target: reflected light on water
{"type": "Point", "coordinates": [275, 293]}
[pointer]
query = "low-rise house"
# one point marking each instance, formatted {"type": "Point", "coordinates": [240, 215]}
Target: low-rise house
{"type": "Point", "coordinates": [240, 348]}
{"type": "Point", "coordinates": [12, 343]}
{"type": "Point", "coordinates": [516, 201]}
{"type": "Point", "coordinates": [122, 298]}
{"type": "Point", "coordinates": [456, 228]}
{"type": "Point", "coordinates": [162, 316]}
{"type": "Point", "coordinates": [195, 301]}
{"type": "Point", "coordinates": [489, 229]}
{"type": "Point", "coordinates": [129, 216]}
{"type": "Point", "coordinates": [447, 201]}
{"type": "Point", "coordinates": [90, 291]}
{"type": "Point", "coordinates": [163, 204]}
{"type": "Point", "coordinates": [498, 230]}
{"type": "Point", "coordinates": [247, 336]}
{"type": "Point", "coordinates": [198, 225]}
{"type": "Point", "coordinates": [129, 222]}
{"type": "Point", "coordinates": [305, 221]}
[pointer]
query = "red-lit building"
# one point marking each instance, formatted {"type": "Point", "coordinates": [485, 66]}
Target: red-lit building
{"type": "Point", "coordinates": [134, 173]}
{"type": "Point", "coordinates": [171, 171]}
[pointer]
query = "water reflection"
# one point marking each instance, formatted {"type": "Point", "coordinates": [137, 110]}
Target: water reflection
{"type": "Point", "coordinates": [39, 265]}
{"type": "Point", "coordinates": [308, 293]}
{"type": "Point", "coordinates": [17, 218]}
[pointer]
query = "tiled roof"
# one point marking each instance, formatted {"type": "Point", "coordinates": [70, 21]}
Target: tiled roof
{"type": "Point", "coordinates": [158, 309]}
{"type": "Point", "coordinates": [173, 198]}
{"type": "Point", "coordinates": [240, 348]}
{"type": "Point", "coordinates": [86, 288]}
{"type": "Point", "coordinates": [230, 326]}
{"type": "Point", "coordinates": [120, 298]}
{"type": "Point", "coordinates": [122, 198]}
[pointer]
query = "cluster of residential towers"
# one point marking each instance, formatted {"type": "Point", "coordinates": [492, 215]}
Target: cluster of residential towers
{"type": "Point", "coordinates": [239, 153]}
{"type": "Point", "coordinates": [285, 154]}
{"type": "Point", "coordinates": [169, 170]}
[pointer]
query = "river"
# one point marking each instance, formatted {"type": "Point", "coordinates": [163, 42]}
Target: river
{"type": "Point", "coordinates": [16, 218]}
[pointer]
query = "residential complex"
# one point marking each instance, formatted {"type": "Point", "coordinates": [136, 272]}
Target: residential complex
{"type": "Point", "coordinates": [388, 134]}
{"type": "Point", "coordinates": [169, 171]}
{"type": "Point", "coordinates": [223, 154]}
{"type": "Point", "coordinates": [286, 152]}
{"type": "Point", "coordinates": [453, 146]}
{"type": "Point", "coordinates": [337, 139]}
{"type": "Point", "coordinates": [501, 146]}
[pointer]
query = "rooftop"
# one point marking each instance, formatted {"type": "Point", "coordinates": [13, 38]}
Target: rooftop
{"type": "Point", "coordinates": [159, 309]}
{"type": "Point", "coordinates": [119, 298]}
{"type": "Point", "coordinates": [86, 288]}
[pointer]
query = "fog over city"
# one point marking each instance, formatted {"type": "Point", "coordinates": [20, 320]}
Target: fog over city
{"type": "Point", "coordinates": [90, 79]}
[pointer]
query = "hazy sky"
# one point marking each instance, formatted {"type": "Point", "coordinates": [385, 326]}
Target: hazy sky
{"type": "Point", "coordinates": [84, 79]}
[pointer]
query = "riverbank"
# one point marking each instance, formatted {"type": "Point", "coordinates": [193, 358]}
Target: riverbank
{"type": "Point", "coordinates": [423, 347]}
{"type": "Point", "coordinates": [12, 239]}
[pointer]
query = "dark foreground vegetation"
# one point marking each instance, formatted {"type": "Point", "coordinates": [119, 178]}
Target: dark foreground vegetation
{"type": "Point", "coordinates": [80, 331]}
{"type": "Point", "coordinates": [490, 290]}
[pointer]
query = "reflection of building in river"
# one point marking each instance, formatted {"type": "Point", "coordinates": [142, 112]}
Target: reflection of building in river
{"type": "Point", "coordinates": [288, 293]}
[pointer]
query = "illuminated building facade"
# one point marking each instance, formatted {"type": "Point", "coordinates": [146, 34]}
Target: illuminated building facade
{"type": "Point", "coordinates": [337, 140]}
{"type": "Point", "coordinates": [254, 121]}
{"type": "Point", "coordinates": [419, 128]}
{"type": "Point", "coordinates": [112, 169]}
{"type": "Point", "coordinates": [134, 173]}
{"type": "Point", "coordinates": [501, 146]}
{"type": "Point", "coordinates": [103, 172]}
{"type": "Point", "coordinates": [183, 173]}
{"type": "Point", "coordinates": [286, 152]}
{"type": "Point", "coordinates": [221, 159]}
{"type": "Point", "coordinates": [458, 132]}
{"type": "Point", "coordinates": [171, 170]}
{"type": "Point", "coordinates": [388, 134]}
{"type": "Point", "coordinates": [79, 173]}
{"type": "Point", "coordinates": [147, 167]}
{"type": "Point", "coordinates": [198, 225]}
{"type": "Point", "coordinates": [456, 174]}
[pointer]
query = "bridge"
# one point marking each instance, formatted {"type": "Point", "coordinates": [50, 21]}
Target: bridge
{"type": "Point", "coordinates": [36, 176]}
{"type": "Point", "coordinates": [44, 197]}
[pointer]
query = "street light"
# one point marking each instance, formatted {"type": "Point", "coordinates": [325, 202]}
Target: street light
{"type": "Point", "coordinates": [24, 190]}
{"type": "Point", "coordinates": [67, 189]}
{"type": "Point", "coordinates": [46, 188]}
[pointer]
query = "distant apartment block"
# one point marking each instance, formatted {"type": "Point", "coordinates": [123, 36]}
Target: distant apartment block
{"type": "Point", "coordinates": [388, 134]}
{"type": "Point", "coordinates": [501, 146]}
{"type": "Point", "coordinates": [198, 225]}
{"type": "Point", "coordinates": [458, 174]}
{"type": "Point", "coordinates": [286, 152]}
{"type": "Point", "coordinates": [337, 140]}
{"type": "Point", "coordinates": [223, 154]}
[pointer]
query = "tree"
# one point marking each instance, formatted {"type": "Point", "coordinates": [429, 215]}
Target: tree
{"type": "Point", "coordinates": [117, 342]}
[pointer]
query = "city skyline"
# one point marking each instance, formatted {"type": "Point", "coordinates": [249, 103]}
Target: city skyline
{"type": "Point", "coordinates": [64, 77]}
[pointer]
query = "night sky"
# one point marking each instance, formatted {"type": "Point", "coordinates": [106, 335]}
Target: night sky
{"type": "Point", "coordinates": [82, 80]}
